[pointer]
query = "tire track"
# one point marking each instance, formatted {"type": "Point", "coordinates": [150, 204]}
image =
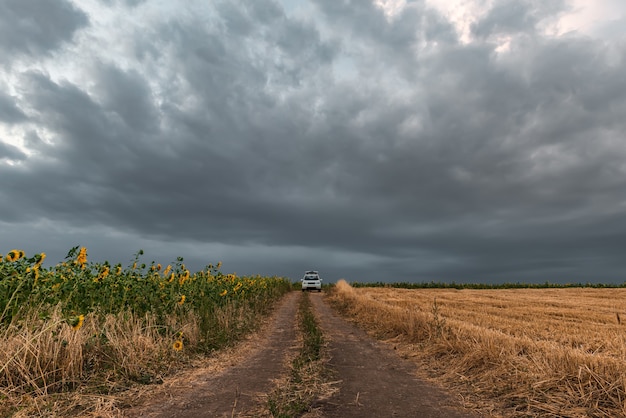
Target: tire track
{"type": "Point", "coordinates": [238, 391]}
{"type": "Point", "coordinates": [374, 381]}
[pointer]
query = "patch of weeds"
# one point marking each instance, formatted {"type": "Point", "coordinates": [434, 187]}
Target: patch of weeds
{"type": "Point", "coordinates": [308, 377]}
{"type": "Point", "coordinates": [438, 323]}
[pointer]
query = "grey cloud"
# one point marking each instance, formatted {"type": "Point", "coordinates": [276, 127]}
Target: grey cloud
{"type": "Point", "coordinates": [34, 142]}
{"type": "Point", "coordinates": [9, 110]}
{"type": "Point", "coordinates": [415, 23]}
{"type": "Point", "coordinates": [10, 152]}
{"type": "Point", "coordinates": [388, 46]}
{"type": "Point", "coordinates": [129, 3]}
{"type": "Point", "coordinates": [32, 27]}
{"type": "Point", "coordinates": [516, 16]}
{"type": "Point", "coordinates": [241, 131]}
{"type": "Point", "coordinates": [80, 123]}
{"type": "Point", "coordinates": [127, 94]}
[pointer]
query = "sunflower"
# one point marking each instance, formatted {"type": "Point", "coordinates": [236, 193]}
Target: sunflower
{"type": "Point", "coordinates": [42, 257]}
{"type": "Point", "coordinates": [81, 259]}
{"type": "Point", "coordinates": [15, 255]}
{"type": "Point", "coordinates": [103, 274]}
{"type": "Point", "coordinates": [182, 300]}
{"type": "Point", "coordinates": [183, 278]}
{"type": "Point", "coordinates": [178, 345]}
{"type": "Point", "coordinates": [224, 292]}
{"type": "Point", "coordinates": [77, 322]}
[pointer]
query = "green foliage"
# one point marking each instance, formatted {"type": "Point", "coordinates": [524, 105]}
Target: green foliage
{"type": "Point", "coordinates": [80, 288]}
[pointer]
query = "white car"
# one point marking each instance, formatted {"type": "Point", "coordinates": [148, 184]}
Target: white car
{"type": "Point", "coordinates": [311, 281]}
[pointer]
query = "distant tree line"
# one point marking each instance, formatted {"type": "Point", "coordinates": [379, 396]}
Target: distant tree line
{"type": "Point", "coordinates": [454, 285]}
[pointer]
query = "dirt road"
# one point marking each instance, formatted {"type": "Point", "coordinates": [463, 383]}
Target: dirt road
{"type": "Point", "coordinates": [372, 381]}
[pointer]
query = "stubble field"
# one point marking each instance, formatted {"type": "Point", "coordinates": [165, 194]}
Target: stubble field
{"type": "Point", "coordinates": [509, 352]}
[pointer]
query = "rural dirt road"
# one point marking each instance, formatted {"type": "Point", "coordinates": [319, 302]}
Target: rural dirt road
{"type": "Point", "coordinates": [371, 380]}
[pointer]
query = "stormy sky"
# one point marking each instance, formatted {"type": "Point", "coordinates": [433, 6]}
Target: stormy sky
{"type": "Point", "coordinates": [397, 140]}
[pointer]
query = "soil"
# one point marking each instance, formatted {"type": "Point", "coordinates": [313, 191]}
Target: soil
{"type": "Point", "coordinates": [371, 379]}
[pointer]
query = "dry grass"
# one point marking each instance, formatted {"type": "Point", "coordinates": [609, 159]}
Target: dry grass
{"type": "Point", "coordinates": [519, 352]}
{"type": "Point", "coordinates": [52, 369]}
{"type": "Point", "coordinates": [49, 369]}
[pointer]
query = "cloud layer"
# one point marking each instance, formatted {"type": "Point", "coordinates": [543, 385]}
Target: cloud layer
{"type": "Point", "coordinates": [283, 136]}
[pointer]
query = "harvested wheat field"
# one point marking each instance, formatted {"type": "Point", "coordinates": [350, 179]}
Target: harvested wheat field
{"type": "Point", "coordinates": [511, 352]}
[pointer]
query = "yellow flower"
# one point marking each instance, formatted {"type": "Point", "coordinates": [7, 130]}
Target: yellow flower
{"type": "Point", "coordinates": [42, 257]}
{"type": "Point", "coordinates": [224, 292]}
{"type": "Point", "coordinates": [184, 278]}
{"type": "Point", "coordinates": [182, 300]}
{"type": "Point", "coordinates": [15, 255]}
{"type": "Point", "coordinates": [167, 270]}
{"type": "Point", "coordinates": [178, 345]}
{"type": "Point", "coordinates": [158, 267]}
{"type": "Point", "coordinates": [219, 265]}
{"type": "Point", "coordinates": [104, 273]}
{"type": "Point", "coordinates": [119, 270]}
{"type": "Point", "coordinates": [81, 259]}
{"type": "Point", "coordinates": [77, 322]}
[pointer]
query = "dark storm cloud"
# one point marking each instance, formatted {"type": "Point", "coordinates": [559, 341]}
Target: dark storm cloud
{"type": "Point", "coordinates": [379, 148]}
{"type": "Point", "coordinates": [32, 27]}
{"type": "Point", "coordinates": [128, 95]}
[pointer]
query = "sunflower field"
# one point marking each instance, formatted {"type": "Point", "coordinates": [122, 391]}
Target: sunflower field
{"type": "Point", "coordinates": [99, 327]}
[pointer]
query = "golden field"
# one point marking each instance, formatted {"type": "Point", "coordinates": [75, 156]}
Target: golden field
{"type": "Point", "coordinates": [508, 352]}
